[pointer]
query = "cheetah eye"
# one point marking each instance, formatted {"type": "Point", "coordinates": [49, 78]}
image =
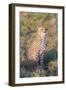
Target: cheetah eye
{"type": "Point", "coordinates": [46, 29]}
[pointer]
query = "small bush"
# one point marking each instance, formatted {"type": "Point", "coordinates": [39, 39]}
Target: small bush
{"type": "Point", "coordinates": [53, 67]}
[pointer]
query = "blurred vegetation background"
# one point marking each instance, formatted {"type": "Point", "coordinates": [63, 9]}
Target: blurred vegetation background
{"type": "Point", "coordinates": [28, 29]}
